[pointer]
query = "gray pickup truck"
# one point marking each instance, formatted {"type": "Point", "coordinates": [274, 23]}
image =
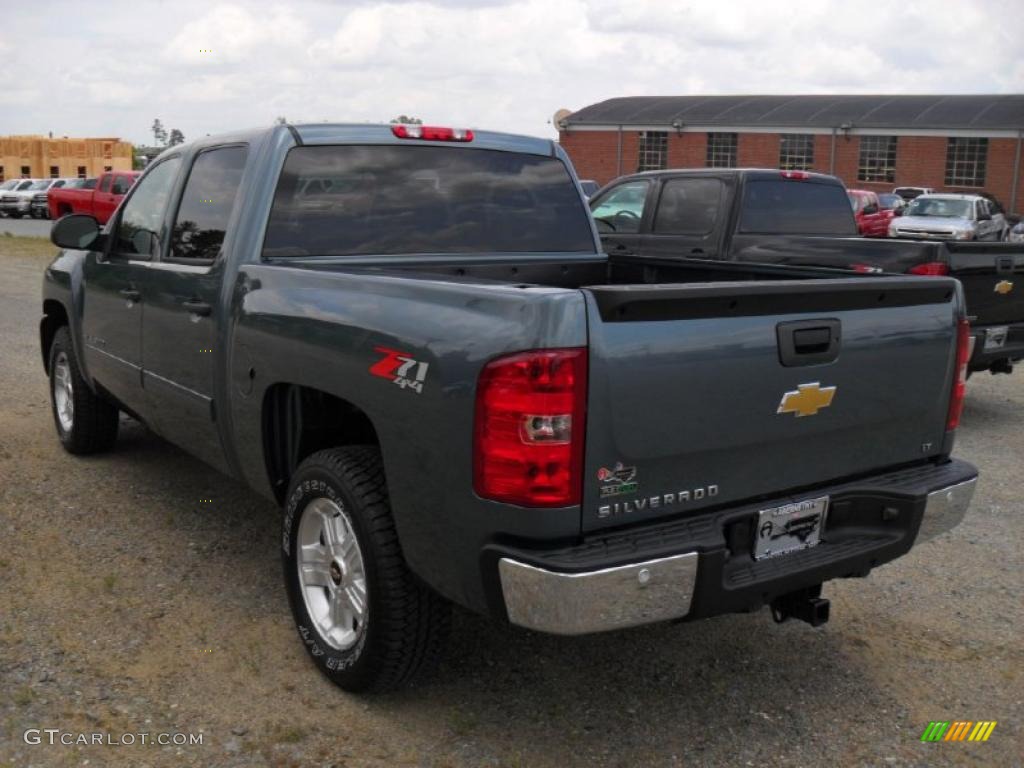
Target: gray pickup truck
{"type": "Point", "coordinates": [410, 337]}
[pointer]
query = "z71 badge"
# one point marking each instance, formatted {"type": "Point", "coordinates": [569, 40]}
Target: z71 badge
{"type": "Point", "coordinates": [401, 369]}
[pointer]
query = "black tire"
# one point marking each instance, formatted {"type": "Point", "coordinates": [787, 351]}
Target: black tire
{"type": "Point", "coordinates": [406, 624]}
{"type": "Point", "coordinates": [94, 421]}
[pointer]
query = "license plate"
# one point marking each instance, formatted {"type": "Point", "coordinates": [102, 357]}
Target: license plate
{"type": "Point", "coordinates": [995, 338]}
{"type": "Point", "coordinates": [789, 527]}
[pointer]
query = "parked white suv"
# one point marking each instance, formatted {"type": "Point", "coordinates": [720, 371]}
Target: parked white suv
{"type": "Point", "coordinates": [950, 217]}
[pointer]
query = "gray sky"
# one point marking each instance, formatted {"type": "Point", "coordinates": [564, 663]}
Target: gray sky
{"type": "Point", "coordinates": [74, 69]}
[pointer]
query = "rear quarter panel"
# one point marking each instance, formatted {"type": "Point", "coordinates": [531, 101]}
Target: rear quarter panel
{"type": "Point", "coordinates": [322, 329]}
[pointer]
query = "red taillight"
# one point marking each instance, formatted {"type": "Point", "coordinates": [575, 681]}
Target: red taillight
{"type": "Point", "coordinates": [796, 175]}
{"type": "Point", "coordinates": [963, 355]}
{"type": "Point", "coordinates": [932, 269]}
{"type": "Point", "coordinates": [528, 435]}
{"type": "Point", "coordinates": [866, 269]}
{"type": "Point", "coordinates": [431, 132]}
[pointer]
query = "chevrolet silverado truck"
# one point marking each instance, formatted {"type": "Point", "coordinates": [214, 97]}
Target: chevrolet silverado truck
{"type": "Point", "coordinates": [99, 199]}
{"type": "Point", "coordinates": [800, 218]}
{"type": "Point", "coordinates": [410, 338]}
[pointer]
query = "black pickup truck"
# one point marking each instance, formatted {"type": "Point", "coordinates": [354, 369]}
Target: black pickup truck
{"type": "Point", "coordinates": [801, 218]}
{"type": "Point", "coordinates": [410, 338]}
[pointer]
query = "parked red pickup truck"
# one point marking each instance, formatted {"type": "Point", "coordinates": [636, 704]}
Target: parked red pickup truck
{"type": "Point", "coordinates": [872, 219]}
{"type": "Point", "coordinates": [99, 201]}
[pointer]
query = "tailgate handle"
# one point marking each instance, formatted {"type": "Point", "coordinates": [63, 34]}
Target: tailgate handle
{"type": "Point", "coordinates": [808, 342]}
{"type": "Point", "coordinates": [1004, 264]}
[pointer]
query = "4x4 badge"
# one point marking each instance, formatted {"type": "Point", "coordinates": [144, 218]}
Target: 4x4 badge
{"type": "Point", "coordinates": [401, 369]}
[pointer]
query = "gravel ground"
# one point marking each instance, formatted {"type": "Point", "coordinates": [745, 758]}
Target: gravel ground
{"type": "Point", "coordinates": [129, 604]}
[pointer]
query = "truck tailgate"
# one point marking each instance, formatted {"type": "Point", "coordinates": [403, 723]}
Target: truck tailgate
{"type": "Point", "coordinates": [993, 278]}
{"type": "Point", "coordinates": [691, 406]}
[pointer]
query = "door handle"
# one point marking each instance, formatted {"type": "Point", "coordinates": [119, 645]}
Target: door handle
{"type": "Point", "coordinates": [130, 293]}
{"type": "Point", "coordinates": [697, 251]}
{"type": "Point", "coordinates": [196, 307]}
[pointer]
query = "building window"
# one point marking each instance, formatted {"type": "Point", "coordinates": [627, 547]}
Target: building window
{"type": "Point", "coordinates": [54, 172]}
{"type": "Point", "coordinates": [108, 168]}
{"type": "Point", "coordinates": [721, 150]}
{"type": "Point", "coordinates": [796, 152]}
{"type": "Point", "coordinates": [81, 172]}
{"type": "Point", "coordinates": [2, 173]}
{"type": "Point", "coordinates": [877, 159]}
{"type": "Point", "coordinates": [965, 162]}
{"type": "Point", "coordinates": [653, 151]}
{"type": "Point", "coordinates": [26, 172]}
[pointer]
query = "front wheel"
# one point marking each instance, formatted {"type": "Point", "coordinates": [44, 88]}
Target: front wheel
{"type": "Point", "coordinates": [85, 422]}
{"type": "Point", "coordinates": [366, 621]}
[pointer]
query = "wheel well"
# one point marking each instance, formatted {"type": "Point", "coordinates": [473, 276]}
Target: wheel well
{"type": "Point", "coordinates": [298, 421]}
{"type": "Point", "coordinates": [54, 316]}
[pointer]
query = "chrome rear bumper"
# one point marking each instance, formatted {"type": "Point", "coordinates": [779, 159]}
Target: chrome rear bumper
{"type": "Point", "coordinates": [945, 509]}
{"type": "Point", "coordinates": [659, 589]}
{"type": "Point", "coordinates": [610, 598]}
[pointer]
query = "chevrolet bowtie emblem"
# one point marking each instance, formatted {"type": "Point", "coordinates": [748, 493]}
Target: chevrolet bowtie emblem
{"type": "Point", "coordinates": [807, 399]}
{"type": "Point", "coordinates": [1003, 287]}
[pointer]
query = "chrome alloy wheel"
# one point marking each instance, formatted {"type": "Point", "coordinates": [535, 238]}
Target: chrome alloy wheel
{"type": "Point", "coordinates": [63, 392]}
{"type": "Point", "coordinates": [331, 573]}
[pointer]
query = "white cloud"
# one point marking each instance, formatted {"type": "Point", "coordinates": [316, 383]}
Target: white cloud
{"type": "Point", "coordinates": [506, 65]}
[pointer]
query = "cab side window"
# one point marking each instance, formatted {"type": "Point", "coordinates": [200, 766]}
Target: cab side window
{"type": "Point", "coordinates": [621, 208]}
{"type": "Point", "coordinates": [105, 183]}
{"type": "Point", "coordinates": [121, 185]}
{"type": "Point", "coordinates": [139, 229]}
{"type": "Point", "coordinates": [206, 205]}
{"type": "Point", "coordinates": [688, 207]}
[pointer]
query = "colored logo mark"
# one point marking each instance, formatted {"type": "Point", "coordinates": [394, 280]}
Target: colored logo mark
{"type": "Point", "coordinates": [958, 730]}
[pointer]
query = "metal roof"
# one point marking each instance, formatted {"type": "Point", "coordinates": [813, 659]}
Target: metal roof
{"type": "Point", "coordinates": [973, 112]}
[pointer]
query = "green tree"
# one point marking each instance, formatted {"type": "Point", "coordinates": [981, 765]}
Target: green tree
{"type": "Point", "coordinates": [159, 132]}
{"type": "Point", "coordinates": [407, 120]}
{"type": "Point", "coordinates": [177, 137]}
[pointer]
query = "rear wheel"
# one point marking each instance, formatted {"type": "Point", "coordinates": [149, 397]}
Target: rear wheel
{"type": "Point", "coordinates": [366, 621]}
{"type": "Point", "coordinates": [85, 422]}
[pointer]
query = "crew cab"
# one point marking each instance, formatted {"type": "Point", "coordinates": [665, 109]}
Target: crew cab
{"type": "Point", "coordinates": [799, 218]}
{"type": "Point", "coordinates": [410, 338]}
{"type": "Point", "coordinates": [872, 220]}
{"type": "Point", "coordinates": [99, 201]}
{"type": "Point", "coordinates": [951, 217]}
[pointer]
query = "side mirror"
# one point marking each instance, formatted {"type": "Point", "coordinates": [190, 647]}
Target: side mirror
{"type": "Point", "coordinates": [76, 231]}
{"type": "Point", "coordinates": [984, 217]}
{"type": "Point", "coordinates": [897, 211]}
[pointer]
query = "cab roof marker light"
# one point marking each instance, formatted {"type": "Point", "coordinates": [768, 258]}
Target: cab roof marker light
{"type": "Point", "coordinates": [796, 175]}
{"type": "Point", "coordinates": [431, 132]}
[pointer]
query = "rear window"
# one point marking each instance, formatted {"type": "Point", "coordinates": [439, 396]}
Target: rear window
{"type": "Point", "coordinates": [353, 200]}
{"type": "Point", "coordinates": [786, 207]}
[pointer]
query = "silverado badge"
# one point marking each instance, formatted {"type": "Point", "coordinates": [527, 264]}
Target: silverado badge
{"type": "Point", "coordinates": [1003, 287]}
{"type": "Point", "coordinates": [807, 399]}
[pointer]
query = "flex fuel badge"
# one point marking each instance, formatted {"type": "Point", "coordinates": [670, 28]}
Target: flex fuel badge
{"type": "Point", "coordinates": [617, 480]}
{"type": "Point", "coordinates": [400, 368]}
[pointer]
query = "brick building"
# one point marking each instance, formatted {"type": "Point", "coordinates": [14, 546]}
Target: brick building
{"type": "Point", "coordinates": [952, 143]}
{"type": "Point", "coordinates": [39, 157]}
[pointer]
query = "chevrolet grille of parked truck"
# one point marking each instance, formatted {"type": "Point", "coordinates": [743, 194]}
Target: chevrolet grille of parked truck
{"type": "Point", "coordinates": [410, 338]}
